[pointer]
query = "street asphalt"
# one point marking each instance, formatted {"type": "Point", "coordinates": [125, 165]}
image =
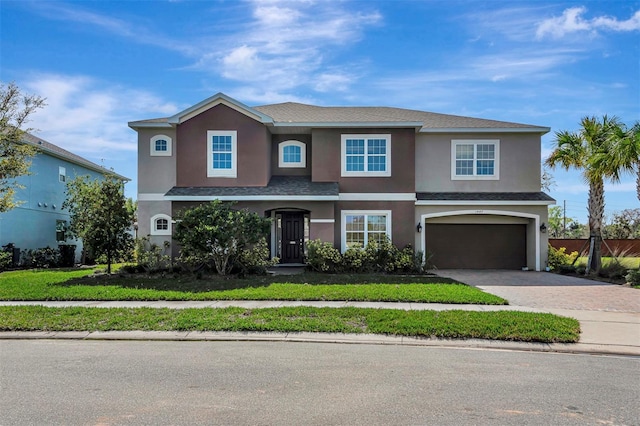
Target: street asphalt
{"type": "Point", "coordinates": [609, 315]}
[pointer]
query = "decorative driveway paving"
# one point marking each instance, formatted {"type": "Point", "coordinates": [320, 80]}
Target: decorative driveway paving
{"type": "Point", "coordinates": [547, 290]}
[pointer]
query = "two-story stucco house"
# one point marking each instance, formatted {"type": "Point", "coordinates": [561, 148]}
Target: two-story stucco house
{"type": "Point", "coordinates": [39, 220]}
{"type": "Point", "coordinates": [465, 190]}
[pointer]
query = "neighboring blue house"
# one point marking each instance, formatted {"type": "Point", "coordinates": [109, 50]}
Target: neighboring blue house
{"type": "Point", "coordinates": [40, 221]}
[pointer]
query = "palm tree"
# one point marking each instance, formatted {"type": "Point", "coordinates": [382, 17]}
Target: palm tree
{"type": "Point", "coordinates": [589, 150]}
{"type": "Point", "coordinates": [626, 152]}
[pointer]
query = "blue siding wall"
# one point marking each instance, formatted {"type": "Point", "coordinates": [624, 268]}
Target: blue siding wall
{"type": "Point", "coordinates": [33, 224]}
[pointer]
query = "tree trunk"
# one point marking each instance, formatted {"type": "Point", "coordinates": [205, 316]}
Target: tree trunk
{"type": "Point", "coordinates": [638, 180]}
{"type": "Point", "coordinates": [596, 215]}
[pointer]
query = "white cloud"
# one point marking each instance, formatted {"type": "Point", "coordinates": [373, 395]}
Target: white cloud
{"type": "Point", "coordinates": [572, 21]}
{"type": "Point", "coordinates": [89, 117]}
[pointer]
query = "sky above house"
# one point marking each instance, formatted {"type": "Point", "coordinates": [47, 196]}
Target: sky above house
{"type": "Point", "coordinates": [101, 64]}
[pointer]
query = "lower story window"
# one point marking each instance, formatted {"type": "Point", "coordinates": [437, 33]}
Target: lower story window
{"type": "Point", "coordinates": [361, 227]}
{"type": "Point", "coordinates": [161, 225]}
{"type": "Point", "coordinates": [61, 230]}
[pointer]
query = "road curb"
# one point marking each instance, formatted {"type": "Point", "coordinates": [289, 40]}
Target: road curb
{"type": "Point", "coordinates": [369, 339]}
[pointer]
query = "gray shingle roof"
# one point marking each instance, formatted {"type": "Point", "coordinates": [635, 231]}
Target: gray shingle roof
{"type": "Point", "coordinates": [292, 113]}
{"type": "Point", "coordinates": [278, 186]}
{"type": "Point", "coordinates": [56, 151]}
{"type": "Point", "coordinates": [483, 196]}
{"type": "Point", "coordinates": [302, 113]}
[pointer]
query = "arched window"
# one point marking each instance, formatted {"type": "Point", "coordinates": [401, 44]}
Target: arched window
{"type": "Point", "coordinates": [292, 154]}
{"type": "Point", "coordinates": [161, 146]}
{"type": "Point", "coordinates": [161, 225]}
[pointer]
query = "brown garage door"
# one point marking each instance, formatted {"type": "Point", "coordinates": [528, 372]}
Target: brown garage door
{"type": "Point", "coordinates": [477, 246]}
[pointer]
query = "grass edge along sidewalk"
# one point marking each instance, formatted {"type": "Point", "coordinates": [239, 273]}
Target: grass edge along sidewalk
{"type": "Point", "coordinates": [69, 285]}
{"type": "Point", "coordinates": [452, 324]}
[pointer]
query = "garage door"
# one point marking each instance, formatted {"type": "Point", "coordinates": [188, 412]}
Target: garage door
{"type": "Point", "coordinates": [477, 246]}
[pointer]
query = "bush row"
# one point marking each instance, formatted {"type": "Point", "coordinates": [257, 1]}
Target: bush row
{"type": "Point", "coordinates": [375, 257]}
{"type": "Point", "coordinates": [563, 263]}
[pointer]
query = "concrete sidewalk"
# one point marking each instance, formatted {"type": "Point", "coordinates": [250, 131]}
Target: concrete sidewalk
{"type": "Point", "coordinates": [613, 333]}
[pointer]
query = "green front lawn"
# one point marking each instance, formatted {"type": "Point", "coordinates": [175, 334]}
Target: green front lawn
{"type": "Point", "coordinates": [503, 325]}
{"type": "Point", "coordinates": [73, 284]}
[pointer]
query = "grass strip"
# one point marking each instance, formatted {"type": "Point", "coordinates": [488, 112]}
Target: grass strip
{"type": "Point", "coordinates": [75, 285]}
{"type": "Point", "coordinates": [453, 324]}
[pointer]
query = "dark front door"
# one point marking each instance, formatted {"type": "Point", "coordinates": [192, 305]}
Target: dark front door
{"type": "Point", "coordinates": [292, 237]}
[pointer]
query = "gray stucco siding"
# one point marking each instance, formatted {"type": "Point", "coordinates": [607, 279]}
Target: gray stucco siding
{"type": "Point", "coordinates": [519, 163]}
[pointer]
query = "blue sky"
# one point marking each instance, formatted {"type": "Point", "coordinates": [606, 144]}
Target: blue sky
{"type": "Point", "coordinates": [101, 64]}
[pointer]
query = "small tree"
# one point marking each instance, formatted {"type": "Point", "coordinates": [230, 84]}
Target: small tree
{"type": "Point", "coordinates": [99, 216]}
{"type": "Point", "coordinates": [216, 234]}
{"type": "Point", "coordinates": [15, 156]}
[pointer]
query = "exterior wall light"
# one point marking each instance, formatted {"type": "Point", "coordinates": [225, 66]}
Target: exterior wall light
{"type": "Point", "coordinates": [419, 227]}
{"type": "Point", "coordinates": [543, 228]}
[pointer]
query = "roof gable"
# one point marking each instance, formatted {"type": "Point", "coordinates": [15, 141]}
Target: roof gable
{"type": "Point", "coordinates": [215, 100]}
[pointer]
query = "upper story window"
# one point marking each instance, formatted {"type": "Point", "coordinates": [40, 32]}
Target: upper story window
{"type": "Point", "coordinates": [62, 174]}
{"type": "Point", "coordinates": [366, 155]}
{"type": "Point", "coordinates": [160, 146]}
{"type": "Point", "coordinates": [222, 153]}
{"type": "Point", "coordinates": [475, 159]}
{"type": "Point", "coordinates": [361, 227]}
{"type": "Point", "coordinates": [292, 154]}
{"type": "Point", "coordinates": [161, 225]}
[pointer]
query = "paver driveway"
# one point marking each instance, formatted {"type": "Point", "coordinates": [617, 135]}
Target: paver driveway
{"type": "Point", "coordinates": [546, 290]}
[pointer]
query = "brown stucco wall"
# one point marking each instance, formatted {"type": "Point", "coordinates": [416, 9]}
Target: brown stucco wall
{"type": "Point", "coordinates": [289, 171]}
{"type": "Point", "coordinates": [254, 149]}
{"type": "Point", "coordinates": [402, 216]}
{"type": "Point", "coordinates": [326, 161]}
{"type": "Point", "coordinates": [519, 164]}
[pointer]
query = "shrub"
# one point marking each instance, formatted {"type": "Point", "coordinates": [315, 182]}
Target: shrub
{"type": "Point", "coordinates": [67, 255]}
{"type": "Point", "coordinates": [613, 270]}
{"type": "Point", "coordinates": [633, 277]}
{"type": "Point", "coordinates": [152, 257]}
{"type": "Point", "coordinates": [41, 258]}
{"type": "Point", "coordinates": [215, 234]}
{"type": "Point", "coordinates": [323, 257]}
{"type": "Point", "coordinates": [255, 259]}
{"type": "Point", "coordinates": [6, 260]}
{"type": "Point", "coordinates": [355, 259]}
{"type": "Point", "coordinates": [558, 257]}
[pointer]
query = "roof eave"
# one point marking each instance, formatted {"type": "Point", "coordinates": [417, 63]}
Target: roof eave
{"type": "Point", "coordinates": [540, 130]}
{"type": "Point", "coordinates": [357, 124]}
{"type": "Point", "coordinates": [144, 125]}
{"type": "Point", "coordinates": [485, 202]}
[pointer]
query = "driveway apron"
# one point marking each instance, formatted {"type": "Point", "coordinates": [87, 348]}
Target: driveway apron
{"type": "Point", "coordinates": [546, 290]}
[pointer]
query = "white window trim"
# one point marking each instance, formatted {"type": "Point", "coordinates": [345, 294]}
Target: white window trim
{"type": "Point", "coordinates": [226, 173]}
{"type": "Point", "coordinates": [343, 223]}
{"type": "Point", "coordinates": [155, 231]}
{"type": "Point", "coordinates": [343, 156]}
{"type": "Point", "coordinates": [303, 154]}
{"type": "Point", "coordinates": [152, 146]}
{"type": "Point", "coordinates": [62, 173]}
{"type": "Point", "coordinates": [475, 142]}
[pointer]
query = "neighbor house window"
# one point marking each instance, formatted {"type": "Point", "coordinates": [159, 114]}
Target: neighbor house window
{"type": "Point", "coordinates": [61, 230]}
{"type": "Point", "coordinates": [62, 174]}
{"type": "Point", "coordinates": [222, 154]}
{"type": "Point", "coordinates": [361, 227]}
{"type": "Point", "coordinates": [475, 159]}
{"type": "Point", "coordinates": [161, 225]}
{"type": "Point", "coordinates": [161, 146]}
{"type": "Point", "coordinates": [366, 155]}
{"type": "Point", "coordinates": [292, 154]}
